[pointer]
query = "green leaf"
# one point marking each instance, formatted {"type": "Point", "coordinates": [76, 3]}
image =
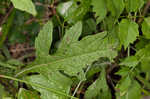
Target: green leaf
{"type": "Point", "coordinates": [97, 66]}
{"type": "Point", "coordinates": [144, 56]}
{"type": "Point", "coordinates": [76, 56]}
{"type": "Point", "coordinates": [89, 26]}
{"type": "Point", "coordinates": [133, 92]}
{"type": "Point", "coordinates": [74, 10]}
{"type": "Point", "coordinates": [99, 89]}
{"type": "Point", "coordinates": [26, 94]}
{"type": "Point", "coordinates": [99, 6]}
{"type": "Point", "coordinates": [115, 7]}
{"type": "Point", "coordinates": [1, 91]}
{"type": "Point", "coordinates": [72, 35]}
{"type": "Point", "coordinates": [25, 5]}
{"type": "Point", "coordinates": [130, 61]}
{"type": "Point", "coordinates": [4, 94]}
{"type": "Point", "coordinates": [124, 71]}
{"type": "Point", "coordinates": [124, 85]}
{"type": "Point", "coordinates": [146, 27]}
{"type": "Point", "coordinates": [55, 81]}
{"type": "Point", "coordinates": [134, 5]}
{"type": "Point", "coordinates": [44, 40]}
{"type": "Point", "coordinates": [128, 31]}
{"type": "Point", "coordinates": [142, 43]}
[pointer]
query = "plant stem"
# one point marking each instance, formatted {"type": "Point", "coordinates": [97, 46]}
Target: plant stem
{"type": "Point", "coordinates": [80, 82]}
{"type": "Point", "coordinates": [128, 50]}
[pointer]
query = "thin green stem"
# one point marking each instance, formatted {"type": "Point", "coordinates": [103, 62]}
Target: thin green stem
{"type": "Point", "coordinates": [80, 82]}
{"type": "Point", "coordinates": [128, 50]}
{"type": "Point", "coordinates": [135, 16]}
{"type": "Point", "coordinates": [63, 28]}
{"type": "Point", "coordinates": [147, 76]}
{"type": "Point", "coordinates": [38, 85]}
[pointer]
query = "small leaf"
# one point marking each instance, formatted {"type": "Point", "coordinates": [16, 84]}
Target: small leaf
{"type": "Point", "coordinates": [142, 43]}
{"type": "Point", "coordinates": [44, 40]}
{"type": "Point", "coordinates": [74, 10]}
{"type": "Point", "coordinates": [144, 56]}
{"type": "Point", "coordinates": [146, 27]}
{"type": "Point", "coordinates": [134, 91]}
{"type": "Point", "coordinates": [25, 94]}
{"type": "Point", "coordinates": [72, 35]}
{"type": "Point", "coordinates": [99, 6]}
{"type": "Point", "coordinates": [115, 7]}
{"type": "Point", "coordinates": [99, 89]}
{"type": "Point", "coordinates": [128, 31]}
{"type": "Point", "coordinates": [123, 71]}
{"type": "Point", "coordinates": [89, 26]}
{"type": "Point", "coordinates": [130, 61]}
{"type": "Point", "coordinates": [134, 5]}
{"type": "Point", "coordinates": [124, 85]}
{"type": "Point", "coordinates": [25, 5]}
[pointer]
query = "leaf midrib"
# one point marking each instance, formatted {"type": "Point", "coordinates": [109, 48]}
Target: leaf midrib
{"type": "Point", "coordinates": [59, 60]}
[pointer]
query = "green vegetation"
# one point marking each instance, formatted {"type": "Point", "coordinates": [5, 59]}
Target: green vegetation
{"type": "Point", "coordinates": [74, 49]}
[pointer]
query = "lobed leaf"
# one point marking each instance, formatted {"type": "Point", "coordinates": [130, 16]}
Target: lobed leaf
{"type": "Point", "coordinates": [99, 6]}
{"type": "Point", "coordinates": [128, 31]}
{"type": "Point", "coordinates": [44, 40]}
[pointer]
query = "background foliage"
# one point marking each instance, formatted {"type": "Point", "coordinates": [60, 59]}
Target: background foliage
{"type": "Point", "coordinates": [74, 49]}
